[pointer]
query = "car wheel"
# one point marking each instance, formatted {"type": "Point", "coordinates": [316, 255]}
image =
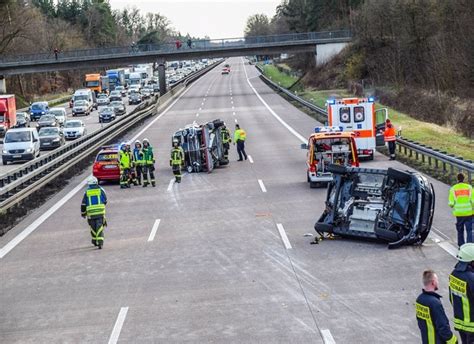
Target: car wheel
{"type": "Point", "coordinates": [5, 162]}
{"type": "Point", "coordinates": [398, 175]}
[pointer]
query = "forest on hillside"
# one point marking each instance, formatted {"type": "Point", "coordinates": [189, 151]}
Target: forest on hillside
{"type": "Point", "coordinates": [31, 26]}
{"type": "Point", "coordinates": [422, 51]}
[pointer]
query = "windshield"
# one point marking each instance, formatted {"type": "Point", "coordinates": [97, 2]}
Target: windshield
{"type": "Point", "coordinates": [107, 109]}
{"type": "Point", "coordinates": [47, 118]}
{"type": "Point", "coordinates": [80, 102]}
{"type": "Point", "coordinates": [102, 96]}
{"type": "Point", "coordinates": [18, 116]}
{"type": "Point", "coordinates": [119, 88]}
{"type": "Point", "coordinates": [73, 124]}
{"type": "Point", "coordinates": [107, 157]}
{"type": "Point", "coordinates": [37, 106]}
{"type": "Point", "coordinates": [92, 83]}
{"type": "Point", "coordinates": [80, 97]}
{"type": "Point", "coordinates": [48, 131]}
{"type": "Point", "coordinates": [56, 112]}
{"type": "Point", "coordinates": [117, 103]}
{"type": "Point", "coordinates": [17, 136]}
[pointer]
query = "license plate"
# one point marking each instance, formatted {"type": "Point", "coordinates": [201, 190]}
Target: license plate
{"type": "Point", "coordinates": [46, 143]}
{"type": "Point", "coordinates": [17, 156]}
{"type": "Point", "coordinates": [110, 167]}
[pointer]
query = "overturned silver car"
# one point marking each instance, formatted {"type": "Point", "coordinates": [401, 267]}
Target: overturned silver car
{"type": "Point", "coordinates": [385, 205]}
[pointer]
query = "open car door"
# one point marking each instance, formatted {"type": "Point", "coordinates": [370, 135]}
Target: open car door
{"type": "Point", "coordinates": [381, 116]}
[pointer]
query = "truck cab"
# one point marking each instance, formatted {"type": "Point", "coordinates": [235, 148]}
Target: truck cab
{"type": "Point", "coordinates": [329, 146]}
{"type": "Point", "coordinates": [358, 115]}
{"type": "Point", "coordinates": [7, 113]}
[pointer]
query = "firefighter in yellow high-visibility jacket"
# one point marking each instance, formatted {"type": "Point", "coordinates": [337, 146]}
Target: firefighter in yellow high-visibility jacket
{"type": "Point", "coordinates": [461, 199]}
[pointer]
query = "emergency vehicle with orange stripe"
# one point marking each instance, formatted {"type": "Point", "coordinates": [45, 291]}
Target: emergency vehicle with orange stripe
{"type": "Point", "coordinates": [358, 115]}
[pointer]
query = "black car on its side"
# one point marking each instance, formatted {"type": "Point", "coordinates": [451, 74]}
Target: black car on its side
{"type": "Point", "coordinates": [48, 120]}
{"type": "Point", "coordinates": [50, 137]}
{"type": "Point", "coordinates": [389, 205]}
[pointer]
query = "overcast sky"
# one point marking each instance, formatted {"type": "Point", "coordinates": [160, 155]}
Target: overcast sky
{"type": "Point", "coordinates": [215, 18]}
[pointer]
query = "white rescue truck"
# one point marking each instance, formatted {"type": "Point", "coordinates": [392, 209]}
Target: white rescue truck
{"type": "Point", "coordinates": [358, 115]}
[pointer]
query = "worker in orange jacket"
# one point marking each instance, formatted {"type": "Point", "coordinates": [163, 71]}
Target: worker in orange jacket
{"type": "Point", "coordinates": [390, 137]}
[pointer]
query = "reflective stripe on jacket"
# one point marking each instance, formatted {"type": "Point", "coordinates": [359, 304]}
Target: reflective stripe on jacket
{"type": "Point", "coordinates": [124, 159]}
{"type": "Point", "coordinates": [461, 283]}
{"type": "Point", "coordinates": [432, 320]}
{"type": "Point", "coordinates": [138, 156]}
{"type": "Point", "coordinates": [94, 201]}
{"type": "Point", "coordinates": [225, 135]}
{"type": "Point", "coordinates": [389, 133]}
{"type": "Point", "coordinates": [177, 156]}
{"type": "Point", "coordinates": [240, 135]}
{"type": "Point", "coordinates": [148, 155]}
{"type": "Point", "coordinates": [461, 199]}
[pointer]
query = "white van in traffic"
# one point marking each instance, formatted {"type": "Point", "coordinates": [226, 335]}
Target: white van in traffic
{"type": "Point", "coordinates": [20, 144]}
{"type": "Point", "coordinates": [85, 94]}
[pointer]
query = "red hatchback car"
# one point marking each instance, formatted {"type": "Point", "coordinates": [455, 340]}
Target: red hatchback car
{"type": "Point", "coordinates": [106, 165]}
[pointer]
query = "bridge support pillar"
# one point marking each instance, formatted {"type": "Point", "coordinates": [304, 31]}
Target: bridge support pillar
{"type": "Point", "coordinates": [3, 85]}
{"type": "Point", "coordinates": [162, 77]}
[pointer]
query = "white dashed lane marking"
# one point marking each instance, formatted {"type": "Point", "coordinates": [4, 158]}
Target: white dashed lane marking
{"type": "Point", "coordinates": [118, 325]}
{"type": "Point", "coordinates": [154, 229]}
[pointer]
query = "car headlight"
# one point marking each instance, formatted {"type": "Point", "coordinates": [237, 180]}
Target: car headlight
{"type": "Point", "coordinates": [56, 140]}
{"type": "Point", "coordinates": [4, 151]}
{"type": "Point", "coordinates": [42, 112]}
{"type": "Point", "coordinates": [29, 150]}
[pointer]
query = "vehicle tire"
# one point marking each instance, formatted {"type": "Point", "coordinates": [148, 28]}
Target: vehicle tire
{"type": "Point", "coordinates": [5, 162]}
{"type": "Point", "coordinates": [371, 157]}
{"type": "Point", "coordinates": [307, 178]}
{"type": "Point", "coordinates": [398, 175]}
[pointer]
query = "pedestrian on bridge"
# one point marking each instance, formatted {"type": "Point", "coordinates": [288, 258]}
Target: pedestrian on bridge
{"type": "Point", "coordinates": [178, 44]}
{"type": "Point", "coordinates": [148, 164]}
{"type": "Point", "coordinates": [239, 138]}
{"type": "Point", "coordinates": [190, 43]}
{"type": "Point", "coordinates": [461, 199]}
{"type": "Point", "coordinates": [56, 53]}
{"type": "Point", "coordinates": [93, 207]}
{"type": "Point", "coordinates": [390, 138]}
{"type": "Point", "coordinates": [461, 293]}
{"type": "Point", "coordinates": [432, 320]}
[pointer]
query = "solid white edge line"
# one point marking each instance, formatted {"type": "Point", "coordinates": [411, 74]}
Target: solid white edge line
{"type": "Point", "coordinates": [327, 337]}
{"type": "Point", "coordinates": [250, 159]}
{"type": "Point", "coordinates": [293, 131]}
{"type": "Point", "coordinates": [32, 227]}
{"type": "Point", "coordinates": [262, 186]}
{"type": "Point", "coordinates": [118, 325]}
{"type": "Point", "coordinates": [445, 245]}
{"type": "Point", "coordinates": [283, 236]}
{"type": "Point", "coordinates": [170, 185]}
{"type": "Point", "coordinates": [154, 229]}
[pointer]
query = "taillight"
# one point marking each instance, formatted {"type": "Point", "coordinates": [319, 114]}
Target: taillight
{"type": "Point", "coordinates": [312, 167]}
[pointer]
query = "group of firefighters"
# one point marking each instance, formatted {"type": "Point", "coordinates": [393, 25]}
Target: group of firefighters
{"type": "Point", "coordinates": [137, 167]}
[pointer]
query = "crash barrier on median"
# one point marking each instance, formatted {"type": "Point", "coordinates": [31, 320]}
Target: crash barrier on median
{"type": "Point", "coordinates": [449, 164]}
{"type": "Point", "coordinates": [21, 182]}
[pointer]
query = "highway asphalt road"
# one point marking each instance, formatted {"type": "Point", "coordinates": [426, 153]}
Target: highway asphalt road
{"type": "Point", "coordinates": [91, 122]}
{"type": "Point", "coordinates": [220, 257]}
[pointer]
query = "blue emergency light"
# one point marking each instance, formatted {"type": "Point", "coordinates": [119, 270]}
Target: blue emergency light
{"type": "Point", "coordinates": [371, 99]}
{"type": "Point", "coordinates": [331, 101]}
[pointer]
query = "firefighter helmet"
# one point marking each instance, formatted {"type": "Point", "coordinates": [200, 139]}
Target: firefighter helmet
{"type": "Point", "coordinates": [466, 253]}
{"type": "Point", "coordinates": [92, 181]}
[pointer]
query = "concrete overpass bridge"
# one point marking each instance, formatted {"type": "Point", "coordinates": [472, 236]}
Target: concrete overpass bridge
{"type": "Point", "coordinates": [328, 41]}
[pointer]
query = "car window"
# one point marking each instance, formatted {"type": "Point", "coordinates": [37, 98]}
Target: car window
{"type": "Point", "coordinates": [73, 124]}
{"type": "Point", "coordinates": [47, 118]}
{"type": "Point", "coordinates": [359, 115]}
{"type": "Point", "coordinates": [17, 136]}
{"type": "Point", "coordinates": [345, 114]}
{"type": "Point", "coordinates": [116, 103]}
{"type": "Point", "coordinates": [48, 131]}
{"type": "Point", "coordinates": [56, 112]}
{"type": "Point", "coordinates": [107, 157]}
{"type": "Point", "coordinates": [81, 102]}
{"type": "Point", "coordinates": [37, 106]}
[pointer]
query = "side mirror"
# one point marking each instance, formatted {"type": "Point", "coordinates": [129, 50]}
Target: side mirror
{"type": "Point", "coordinates": [35, 139]}
{"type": "Point", "coordinates": [304, 146]}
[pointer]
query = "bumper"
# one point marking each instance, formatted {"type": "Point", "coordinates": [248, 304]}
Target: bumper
{"type": "Point", "coordinates": [70, 137]}
{"type": "Point", "coordinates": [107, 176]}
{"type": "Point", "coordinates": [79, 112]}
{"type": "Point", "coordinates": [18, 157]}
{"type": "Point", "coordinates": [50, 145]}
{"type": "Point", "coordinates": [320, 177]}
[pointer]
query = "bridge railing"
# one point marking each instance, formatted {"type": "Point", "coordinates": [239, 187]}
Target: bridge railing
{"type": "Point", "coordinates": [197, 45]}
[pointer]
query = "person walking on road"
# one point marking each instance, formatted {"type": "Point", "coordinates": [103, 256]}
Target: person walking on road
{"type": "Point", "coordinates": [177, 160]}
{"type": "Point", "coordinates": [239, 138]}
{"type": "Point", "coordinates": [461, 199]}
{"type": "Point", "coordinates": [93, 207]}
{"type": "Point", "coordinates": [432, 320]}
{"type": "Point", "coordinates": [125, 164]}
{"type": "Point", "coordinates": [461, 293]}
{"type": "Point", "coordinates": [390, 138]}
{"type": "Point", "coordinates": [138, 161]}
{"type": "Point", "coordinates": [56, 53]}
{"type": "Point", "coordinates": [149, 164]}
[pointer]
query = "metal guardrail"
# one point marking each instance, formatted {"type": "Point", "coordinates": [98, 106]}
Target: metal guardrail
{"type": "Point", "coordinates": [26, 179]}
{"type": "Point", "coordinates": [427, 155]}
{"type": "Point", "coordinates": [197, 45]}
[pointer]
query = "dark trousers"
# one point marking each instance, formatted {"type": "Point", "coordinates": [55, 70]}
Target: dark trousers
{"type": "Point", "coordinates": [391, 149]}
{"type": "Point", "coordinates": [138, 174]}
{"type": "Point", "coordinates": [149, 170]}
{"type": "Point", "coordinates": [124, 177]}
{"type": "Point", "coordinates": [177, 172]}
{"type": "Point", "coordinates": [241, 149]}
{"type": "Point", "coordinates": [464, 222]}
{"type": "Point", "coordinates": [466, 337]}
{"type": "Point", "coordinates": [97, 224]}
